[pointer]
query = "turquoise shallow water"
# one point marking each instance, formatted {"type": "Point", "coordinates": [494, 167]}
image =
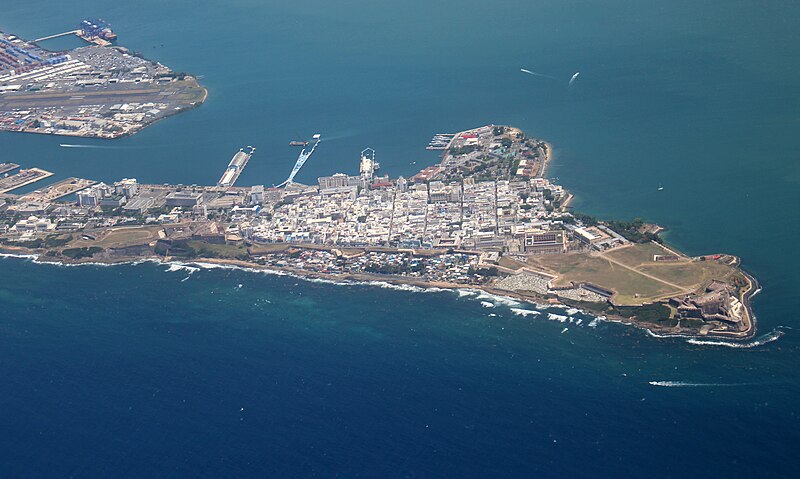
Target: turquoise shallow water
{"type": "Point", "coordinates": [699, 97]}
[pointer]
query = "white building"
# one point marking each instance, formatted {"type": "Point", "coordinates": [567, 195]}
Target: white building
{"type": "Point", "coordinates": [33, 224]}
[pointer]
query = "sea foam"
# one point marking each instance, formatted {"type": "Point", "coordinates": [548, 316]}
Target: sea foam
{"type": "Point", "coordinates": [773, 335]}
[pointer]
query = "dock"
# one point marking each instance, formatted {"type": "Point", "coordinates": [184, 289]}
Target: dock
{"type": "Point", "coordinates": [440, 141]}
{"type": "Point", "coordinates": [7, 167]}
{"type": "Point", "coordinates": [50, 37]}
{"type": "Point", "coordinates": [58, 190]}
{"type": "Point", "coordinates": [235, 167]}
{"type": "Point", "coordinates": [80, 34]}
{"type": "Point", "coordinates": [96, 40]}
{"type": "Point", "coordinates": [93, 31]}
{"type": "Point", "coordinates": [23, 178]}
{"type": "Point", "coordinates": [301, 160]}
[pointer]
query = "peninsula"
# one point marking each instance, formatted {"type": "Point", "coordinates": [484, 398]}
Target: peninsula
{"type": "Point", "coordinates": [484, 217]}
{"type": "Point", "coordinates": [100, 90]}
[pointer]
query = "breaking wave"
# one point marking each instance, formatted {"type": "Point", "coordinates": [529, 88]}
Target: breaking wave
{"type": "Point", "coordinates": [181, 267]}
{"type": "Point", "coordinates": [496, 299]}
{"type": "Point", "coordinates": [33, 257]}
{"type": "Point", "coordinates": [773, 335]}
{"type": "Point", "coordinates": [486, 299]}
{"type": "Point", "coordinates": [557, 317]}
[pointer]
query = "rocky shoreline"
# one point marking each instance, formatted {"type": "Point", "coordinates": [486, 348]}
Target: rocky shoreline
{"type": "Point", "coordinates": [529, 297]}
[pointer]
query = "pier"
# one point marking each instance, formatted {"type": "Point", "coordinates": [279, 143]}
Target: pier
{"type": "Point", "coordinates": [301, 160]}
{"type": "Point", "coordinates": [23, 178]}
{"type": "Point", "coordinates": [7, 167]}
{"type": "Point", "coordinates": [93, 31]}
{"type": "Point", "coordinates": [235, 167]}
{"type": "Point", "coordinates": [440, 141]}
{"type": "Point", "coordinates": [71, 32]}
{"type": "Point", "coordinates": [80, 34]}
{"type": "Point", "coordinates": [96, 40]}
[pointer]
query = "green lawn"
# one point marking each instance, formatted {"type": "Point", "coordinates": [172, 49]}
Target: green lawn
{"type": "Point", "coordinates": [631, 287]}
{"type": "Point", "coordinates": [637, 254]}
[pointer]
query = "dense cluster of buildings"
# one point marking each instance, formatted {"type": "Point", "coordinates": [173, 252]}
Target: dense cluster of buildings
{"type": "Point", "coordinates": [511, 213]}
{"type": "Point", "coordinates": [448, 267]}
{"type": "Point", "coordinates": [497, 214]}
{"type": "Point", "coordinates": [519, 214]}
{"type": "Point", "coordinates": [451, 223]}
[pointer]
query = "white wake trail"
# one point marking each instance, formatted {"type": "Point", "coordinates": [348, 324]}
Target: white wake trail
{"type": "Point", "coordinates": [523, 70]}
{"type": "Point", "coordinates": [96, 147]}
{"type": "Point", "coordinates": [685, 384]}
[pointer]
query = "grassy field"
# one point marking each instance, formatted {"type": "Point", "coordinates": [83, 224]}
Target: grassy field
{"type": "Point", "coordinates": [690, 274]}
{"type": "Point", "coordinates": [510, 263]}
{"type": "Point", "coordinates": [119, 237]}
{"type": "Point", "coordinates": [637, 254]}
{"type": "Point", "coordinates": [631, 287]}
{"type": "Point", "coordinates": [632, 273]}
{"type": "Point", "coordinates": [269, 248]}
{"type": "Point", "coordinates": [213, 250]}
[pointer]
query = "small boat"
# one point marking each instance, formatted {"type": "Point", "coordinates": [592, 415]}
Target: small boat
{"type": "Point", "coordinates": [660, 187]}
{"type": "Point", "coordinates": [298, 143]}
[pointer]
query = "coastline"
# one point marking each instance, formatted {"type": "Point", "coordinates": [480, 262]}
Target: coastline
{"type": "Point", "coordinates": [548, 157]}
{"type": "Point", "coordinates": [649, 312]}
{"type": "Point", "coordinates": [45, 110]}
{"type": "Point", "coordinates": [168, 115]}
{"type": "Point", "coordinates": [534, 300]}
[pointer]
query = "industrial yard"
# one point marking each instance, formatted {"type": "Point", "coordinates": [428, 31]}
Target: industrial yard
{"type": "Point", "coordinates": [93, 91]}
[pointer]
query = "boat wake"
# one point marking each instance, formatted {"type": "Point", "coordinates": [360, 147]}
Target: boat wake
{"type": "Point", "coordinates": [341, 136]}
{"type": "Point", "coordinates": [95, 147]}
{"type": "Point", "coordinates": [525, 70]}
{"type": "Point", "coordinates": [685, 384]}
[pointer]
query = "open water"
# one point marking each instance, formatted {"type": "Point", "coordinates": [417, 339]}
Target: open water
{"type": "Point", "coordinates": [136, 371]}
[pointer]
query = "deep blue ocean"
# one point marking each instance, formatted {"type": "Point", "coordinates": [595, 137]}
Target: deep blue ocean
{"type": "Point", "coordinates": [142, 371]}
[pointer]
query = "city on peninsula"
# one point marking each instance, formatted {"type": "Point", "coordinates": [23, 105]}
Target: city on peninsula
{"type": "Point", "coordinates": [485, 217]}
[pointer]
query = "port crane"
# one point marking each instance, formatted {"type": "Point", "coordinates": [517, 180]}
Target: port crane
{"type": "Point", "coordinates": [301, 160]}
